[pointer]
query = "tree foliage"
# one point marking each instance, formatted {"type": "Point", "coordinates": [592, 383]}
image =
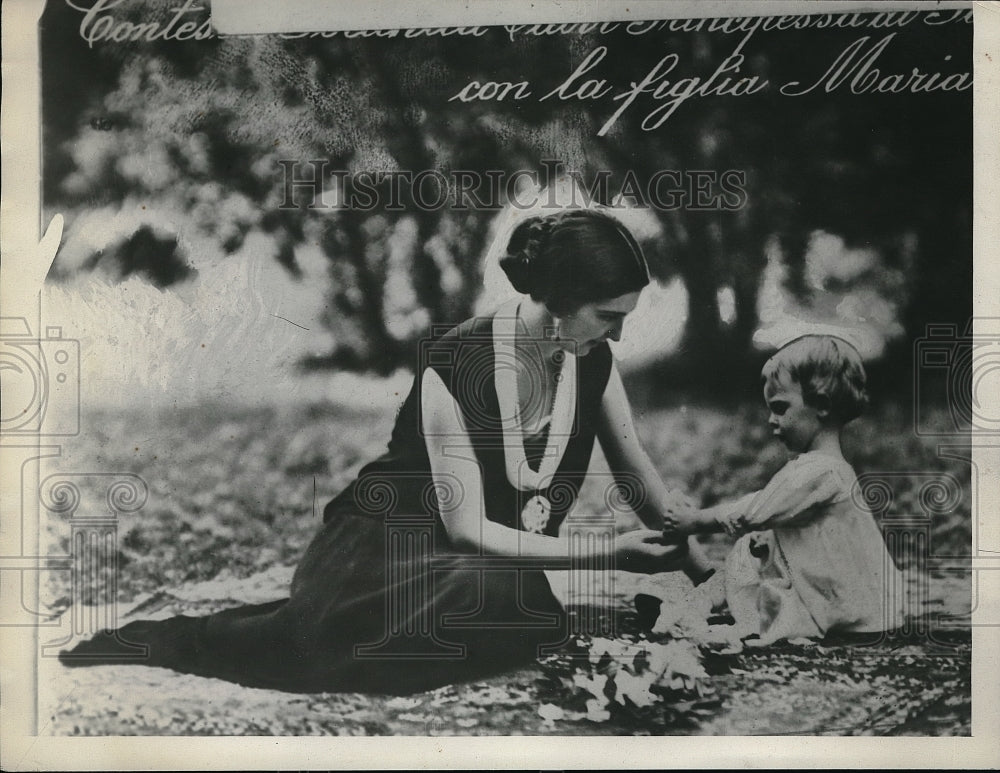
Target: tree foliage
{"type": "Point", "coordinates": [194, 132]}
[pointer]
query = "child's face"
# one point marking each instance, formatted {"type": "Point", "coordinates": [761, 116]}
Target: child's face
{"type": "Point", "coordinates": [794, 423]}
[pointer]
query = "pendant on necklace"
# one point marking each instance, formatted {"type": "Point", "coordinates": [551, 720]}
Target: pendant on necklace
{"type": "Point", "coordinates": [535, 515]}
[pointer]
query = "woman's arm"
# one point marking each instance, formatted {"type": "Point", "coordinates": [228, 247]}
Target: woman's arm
{"type": "Point", "coordinates": [464, 514]}
{"type": "Point", "coordinates": [656, 505]}
{"type": "Point", "coordinates": [629, 461]}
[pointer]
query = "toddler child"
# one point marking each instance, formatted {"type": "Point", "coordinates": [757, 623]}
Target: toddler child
{"type": "Point", "coordinates": [809, 559]}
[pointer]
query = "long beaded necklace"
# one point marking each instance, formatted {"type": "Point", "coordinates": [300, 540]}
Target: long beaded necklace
{"type": "Point", "coordinates": [536, 512]}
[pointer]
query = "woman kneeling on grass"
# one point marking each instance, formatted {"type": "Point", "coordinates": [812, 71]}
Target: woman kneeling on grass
{"type": "Point", "coordinates": [490, 448]}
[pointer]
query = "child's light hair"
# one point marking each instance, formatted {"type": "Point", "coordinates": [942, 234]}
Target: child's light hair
{"type": "Point", "coordinates": [822, 365]}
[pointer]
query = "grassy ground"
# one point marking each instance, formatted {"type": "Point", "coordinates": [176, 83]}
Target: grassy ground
{"type": "Point", "coordinates": [235, 495]}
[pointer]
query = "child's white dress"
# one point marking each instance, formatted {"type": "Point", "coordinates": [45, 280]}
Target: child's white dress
{"type": "Point", "coordinates": [809, 559]}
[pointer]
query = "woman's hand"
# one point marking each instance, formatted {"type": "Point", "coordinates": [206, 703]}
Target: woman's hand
{"type": "Point", "coordinates": [646, 551]}
{"type": "Point", "coordinates": [682, 523]}
{"type": "Point", "coordinates": [676, 504]}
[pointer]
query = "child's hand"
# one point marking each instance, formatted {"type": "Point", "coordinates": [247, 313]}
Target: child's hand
{"type": "Point", "coordinates": [678, 513]}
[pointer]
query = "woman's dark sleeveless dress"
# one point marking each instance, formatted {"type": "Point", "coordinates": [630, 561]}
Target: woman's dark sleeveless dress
{"type": "Point", "coordinates": [381, 601]}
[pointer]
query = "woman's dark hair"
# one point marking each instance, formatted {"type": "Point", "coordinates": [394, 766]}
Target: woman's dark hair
{"type": "Point", "coordinates": [573, 257]}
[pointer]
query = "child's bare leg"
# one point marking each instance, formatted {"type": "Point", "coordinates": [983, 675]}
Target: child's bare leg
{"type": "Point", "coordinates": [697, 566]}
{"type": "Point", "coordinates": [705, 575]}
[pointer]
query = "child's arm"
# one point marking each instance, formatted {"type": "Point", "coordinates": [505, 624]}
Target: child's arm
{"type": "Point", "coordinates": [790, 497]}
{"type": "Point", "coordinates": [793, 496]}
{"type": "Point", "coordinates": [718, 518]}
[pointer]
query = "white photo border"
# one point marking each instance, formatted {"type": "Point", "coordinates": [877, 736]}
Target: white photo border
{"type": "Point", "coordinates": [22, 274]}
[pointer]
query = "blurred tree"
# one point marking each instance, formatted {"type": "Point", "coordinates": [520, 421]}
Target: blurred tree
{"type": "Point", "coordinates": [889, 171]}
{"type": "Point", "coordinates": [197, 129]}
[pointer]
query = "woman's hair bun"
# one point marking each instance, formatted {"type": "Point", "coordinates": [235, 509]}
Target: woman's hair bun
{"type": "Point", "coordinates": [522, 262]}
{"type": "Point", "coordinates": [518, 270]}
{"type": "Point", "coordinates": [571, 257]}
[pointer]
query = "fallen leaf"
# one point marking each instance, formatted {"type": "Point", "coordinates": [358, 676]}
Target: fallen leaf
{"type": "Point", "coordinates": [597, 711]}
{"type": "Point", "coordinates": [635, 688]}
{"type": "Point", "coordinates": [595, 685]}
{"type": "Point", "coordinates": [402, 702]}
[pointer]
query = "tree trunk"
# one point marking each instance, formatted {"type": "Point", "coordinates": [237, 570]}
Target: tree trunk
{"type": "Point", "coordinates": [377, 349]}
